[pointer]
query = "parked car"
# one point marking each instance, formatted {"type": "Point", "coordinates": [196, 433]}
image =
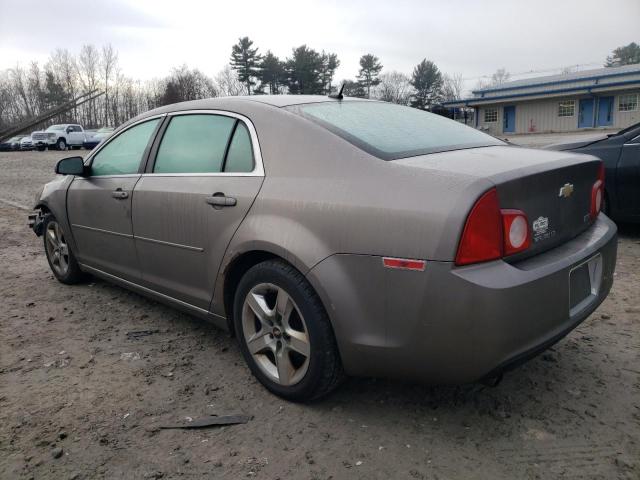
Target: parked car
{"type": "Point", "coordinates": [339, 237]}
{"type": "Point", "coordinates": [97, 137]}
{"type": "Point", "coordinates": [60, 137]}
{"type": "Point", "coordinates": [26, 143]}
{"type": "Point", "coordinates": [620, 153]}
{"type": "Point", "coordinates": [10, 144]}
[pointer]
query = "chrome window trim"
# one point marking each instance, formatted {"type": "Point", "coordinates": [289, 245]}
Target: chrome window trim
{"type": "Point", "coordinates": [633, 141]}
{"type": "Point", "coordinates": [258, 165]}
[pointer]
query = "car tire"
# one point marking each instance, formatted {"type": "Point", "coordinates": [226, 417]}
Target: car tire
{"type": "Point", "coordinates": [61, 144]}
{"type": "Point", "coordinates": [61, 259]}
{"type": "Point", "coordinates": [272, 347]}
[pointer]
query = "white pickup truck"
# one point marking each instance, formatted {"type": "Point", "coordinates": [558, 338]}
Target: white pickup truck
{"type": "Point", "coordinates": [60, 137]}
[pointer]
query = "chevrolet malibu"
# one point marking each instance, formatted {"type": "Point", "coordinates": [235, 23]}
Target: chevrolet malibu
{"type": "Point", "coordinates": [338, 236]}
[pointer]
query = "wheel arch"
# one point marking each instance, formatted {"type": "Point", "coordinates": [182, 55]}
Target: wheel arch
{"type": "Point", "coordinates": [235, 270]}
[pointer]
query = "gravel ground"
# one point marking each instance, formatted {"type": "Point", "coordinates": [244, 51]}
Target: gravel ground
{"type": "Point", "coordinates": [89, 373]}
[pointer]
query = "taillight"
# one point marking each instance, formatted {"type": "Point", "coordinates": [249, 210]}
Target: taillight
{"type": "Point", "coordinates": [482, 235]}
{"type": "Point", "coordinates": [597, 193]}
{"type": "Point", "coordinates": [516, 231]}
{"type": "Point", "coordinates": [491, 233]}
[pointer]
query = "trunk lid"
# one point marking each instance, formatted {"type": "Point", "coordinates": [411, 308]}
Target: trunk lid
{"type": "Point", "coordinates": [552, 188]}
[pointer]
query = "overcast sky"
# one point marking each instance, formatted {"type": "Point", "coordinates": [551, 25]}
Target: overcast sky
{"type": "Point", "coordinates": [467, 37]}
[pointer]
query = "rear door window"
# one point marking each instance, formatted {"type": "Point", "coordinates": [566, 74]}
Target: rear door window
{"type": "Point", "coordinates": [194, 144]}
{"type": "Point", "coordinates": [123, 154]}
{"type": "Point", "coordinates": [240, 155]}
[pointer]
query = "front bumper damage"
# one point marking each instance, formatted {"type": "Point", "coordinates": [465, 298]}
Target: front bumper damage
{"type": "Point", "coordinates": [36, 222]}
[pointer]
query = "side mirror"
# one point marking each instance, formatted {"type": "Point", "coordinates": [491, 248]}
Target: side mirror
{"type": "Point", "coordinates": [70, 166]}
{"type": "Point", "coordinates": [69, 129]}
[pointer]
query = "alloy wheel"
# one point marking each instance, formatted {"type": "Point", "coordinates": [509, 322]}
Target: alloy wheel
{"type": "Point", "coordinates": [57, 248]}
{"type": "Point", "coordinates": [276, 334]}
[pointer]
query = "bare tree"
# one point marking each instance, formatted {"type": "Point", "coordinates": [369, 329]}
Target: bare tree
{"type": "Point", "coordinates": [108, 63]}
{"type": "Point", "coordinates": [227, 83]}
{"type": "Point", "coordinates": [452, 87]}
{"type": "Point", "coordinates": [88, 65]}
{"type": "Point", "coordinates": [394, 87]}
{"type": "Point", "coordinates": [64, 67]}
{"type": "Point", "coordinates": [499, 77]}
{"type": "Point", "coordinates": [19, 84]}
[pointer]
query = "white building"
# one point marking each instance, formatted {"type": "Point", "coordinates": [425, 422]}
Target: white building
{"type": "Point", "coordinates": [606, 98]}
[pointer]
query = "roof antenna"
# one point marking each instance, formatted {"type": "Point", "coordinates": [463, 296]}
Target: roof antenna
{"type": "Point", "coordinates": [339, 95]}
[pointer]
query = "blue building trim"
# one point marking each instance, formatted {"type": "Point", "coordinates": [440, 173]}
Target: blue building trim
{"type": "Point", "coordinates": [487, 100]}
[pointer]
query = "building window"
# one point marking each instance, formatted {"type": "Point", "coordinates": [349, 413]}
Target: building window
{"type": "Point", "coordinates": [628, 103]}
{"type": "Point", "coordinates": [490, 115]}
{"type": "Point", "coordinates": [567, 108]}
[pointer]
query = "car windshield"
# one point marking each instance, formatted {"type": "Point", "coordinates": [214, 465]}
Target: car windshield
{"type": "Point", "coordinates": [391, 131]}
{"type": "Point", "coordinates": [54, 127]}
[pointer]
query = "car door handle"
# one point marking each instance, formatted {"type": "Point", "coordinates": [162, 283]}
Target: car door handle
{"type": "Point", "coordinates": [119, 194]}
{"type": "Point", "coordinates": [219, 200]}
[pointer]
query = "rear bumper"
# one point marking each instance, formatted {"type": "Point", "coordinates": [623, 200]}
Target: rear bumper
{"type": "Point", "coordinates": [458, 324]}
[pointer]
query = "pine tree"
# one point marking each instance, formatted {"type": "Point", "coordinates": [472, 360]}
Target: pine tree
{"type": "Point", "coordinates": [304, 71]}
{"type": "Point", "coordinates": [271, 73]}
{"type": "Point", "coordinates": [627, 55]}
{"type": "Point", "coordinates": [244, 60]}
{"type": "Point", "coordinates": [370, 68]}
{"type": "Point", "coordinates": [427, 81]}
{"type": "Point", "coordinates": [330, 63]}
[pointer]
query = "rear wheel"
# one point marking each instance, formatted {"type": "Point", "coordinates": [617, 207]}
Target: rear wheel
{"type": "Point", "coordinates": [285, 334]}
{"type": "Point", "coordinates": [60, 257]}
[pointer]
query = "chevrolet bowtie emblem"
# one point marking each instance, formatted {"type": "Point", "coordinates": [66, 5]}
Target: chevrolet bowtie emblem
{"type": "Point", "coordinates": [566, 190]}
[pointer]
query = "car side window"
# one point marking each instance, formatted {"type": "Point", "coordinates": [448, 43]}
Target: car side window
{"type": "Point", "coordinates": [123, 154]}
{"type": "Point", "coordinates": [240, 155]}
{"type": "Point", "coordinates": [194, 144]}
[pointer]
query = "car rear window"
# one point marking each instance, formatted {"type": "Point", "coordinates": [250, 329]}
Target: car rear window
{"type": "Point", "coordinates": [391, 131]}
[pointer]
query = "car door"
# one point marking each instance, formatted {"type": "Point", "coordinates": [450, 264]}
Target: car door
{"type": "Point", "coordinates": [202, 177]}
{"type": "Point", "coordinates": [628, 177]}
{"type": "Point", "coordinates": [78, 135]}
{"type": "Point", "coordinates": [99, 205]}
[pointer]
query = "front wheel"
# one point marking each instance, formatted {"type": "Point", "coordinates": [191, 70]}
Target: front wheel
{"type": "Point", "coordinates": [62, 145]}
{"type": "Point", "coordinates": [285, 334]}
{"type": "Point", "coordinates": [60, 257]}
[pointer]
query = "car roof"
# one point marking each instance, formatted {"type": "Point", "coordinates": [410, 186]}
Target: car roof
{"type": "Point", "coordinates": [245, 105]}
{"type": "Point", "coordinates": [248, 100]}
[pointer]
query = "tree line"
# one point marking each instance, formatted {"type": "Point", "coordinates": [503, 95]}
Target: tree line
{"type": "Point", "coordinates": [29, 91]}
{"type": "Point", "coordinates": [310, 72]}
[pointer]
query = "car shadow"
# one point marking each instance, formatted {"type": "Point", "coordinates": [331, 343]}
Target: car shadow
{"type": "Point", "coordinates": [629, 230]}
{"type": "Point", "coordinates": [547, 385]}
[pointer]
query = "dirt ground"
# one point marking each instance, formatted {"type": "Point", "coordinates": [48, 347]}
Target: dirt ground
{"type": "Point", "coordinates": [89, 373]}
